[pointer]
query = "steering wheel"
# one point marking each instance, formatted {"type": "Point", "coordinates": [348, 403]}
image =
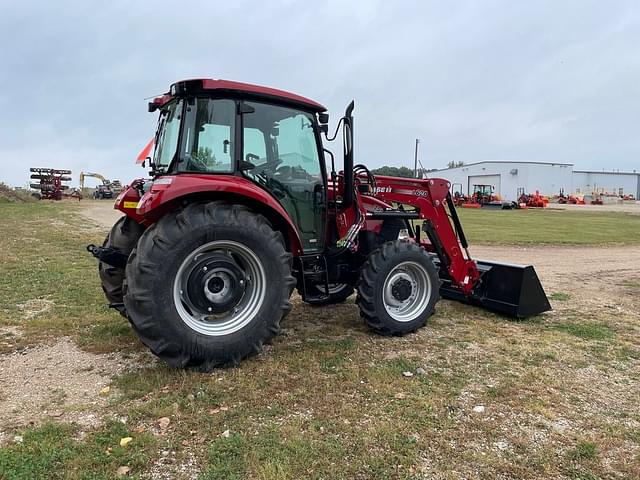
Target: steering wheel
{"type": "Point", "coordinates": [268, 166]}
{"type": "Point", "coordinates": [195, 164]}
{"type": "Point", "coordinates": [285, 172]}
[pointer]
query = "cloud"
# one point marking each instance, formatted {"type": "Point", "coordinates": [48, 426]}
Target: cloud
{"type": "Point", "coordinates": [473, 80]}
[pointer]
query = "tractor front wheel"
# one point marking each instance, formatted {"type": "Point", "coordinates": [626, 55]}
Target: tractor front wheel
{"type": "Point", "coordinates": [399, 288]}
{"type": "Point", "coordinates": [208, 285]}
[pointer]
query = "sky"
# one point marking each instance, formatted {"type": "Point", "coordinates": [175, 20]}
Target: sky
{"type": "Point", "coordinates": [554, 81]}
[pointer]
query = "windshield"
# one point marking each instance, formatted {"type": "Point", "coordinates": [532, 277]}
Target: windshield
{"type": "Point", "coordinates": [167, 135]}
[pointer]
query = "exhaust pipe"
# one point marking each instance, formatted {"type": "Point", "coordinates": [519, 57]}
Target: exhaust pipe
{"type": "Point", "coordinates": [513, 290]}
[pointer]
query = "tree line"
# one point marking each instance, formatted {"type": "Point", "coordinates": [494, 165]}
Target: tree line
{"type": "Point", "coordinates": [407, 172]}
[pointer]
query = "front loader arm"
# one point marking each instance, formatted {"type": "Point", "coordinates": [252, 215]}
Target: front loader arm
{"type": "Point", "coordinates": [514, 290]}
{"type": "Point", "coordinates": [429, 197]}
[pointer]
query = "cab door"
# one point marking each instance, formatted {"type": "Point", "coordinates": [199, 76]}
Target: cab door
{"type": "Point", "coordinates": [280, 152]}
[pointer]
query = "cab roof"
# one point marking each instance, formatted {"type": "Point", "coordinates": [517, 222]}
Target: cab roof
{"type": "Point", "coordinates": [258, 92]}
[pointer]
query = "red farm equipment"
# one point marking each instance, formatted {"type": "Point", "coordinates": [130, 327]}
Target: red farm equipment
{"type": "Point", "coordinates": [50, 184]}
{"type": "Point", "coordinates": [482, 196]}
{"type": "Point", "coordinates": [245, 204]}
{"type": "Point", "coordinates": [562, 198]}
{"type": "Point", "coordinates": [529, 200]}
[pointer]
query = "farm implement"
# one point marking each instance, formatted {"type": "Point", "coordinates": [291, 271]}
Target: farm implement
{"type": "Point", "coordinates": [50, 184]}
{"type": "Point", "coordinates": [245, 204]}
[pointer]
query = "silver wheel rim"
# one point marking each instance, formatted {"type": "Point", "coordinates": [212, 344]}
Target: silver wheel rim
{"type": "Point", "coordinates": [243, 311]}
{"type": "Point", "coordinates": [407, 310]}
{"type": "Point", "coordinates": [333, 288]}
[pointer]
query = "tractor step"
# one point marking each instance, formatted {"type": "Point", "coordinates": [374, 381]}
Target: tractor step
{"type": "Point", "coordinates": [312, 270]}
{"type": "Point", "coordinates": [512, 290]}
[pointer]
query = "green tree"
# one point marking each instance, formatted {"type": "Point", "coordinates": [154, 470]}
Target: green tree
{"type": "Point", "coordinates": [454, 164]}
{"type": "Point", "coordinates": [393, 171]}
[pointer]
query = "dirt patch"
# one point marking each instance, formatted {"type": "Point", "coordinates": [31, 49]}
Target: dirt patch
{"type": "Point", "coordinates": [59, 381]}
{"type": "Point", "coordinates": [627, 207]}
{"type": "Point", "coordinates": [590, 276]}
{"type": "Point", "coordinates": [100, 213]}
{"type": "Point", "coordinates": [33, 308]}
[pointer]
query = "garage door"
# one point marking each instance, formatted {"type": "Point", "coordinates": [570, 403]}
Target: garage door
{"type": "Point", "coordinates": [493, 180]}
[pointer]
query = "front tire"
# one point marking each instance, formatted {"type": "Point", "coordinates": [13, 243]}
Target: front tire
{"type": "Point", "coordinates": [208, 285]}
{"type": "Point", "coordinates": [399, 288]}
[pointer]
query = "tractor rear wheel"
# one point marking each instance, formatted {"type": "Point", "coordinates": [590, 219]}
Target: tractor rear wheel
{"type": "Point", "coordinates": [399, 288]}
{"type": "Point", "coordinates": [123, 237]}
{"type": "Point", "coordinates": [208, 285]}
{"type": "Point", "coordinates": [338, 293]}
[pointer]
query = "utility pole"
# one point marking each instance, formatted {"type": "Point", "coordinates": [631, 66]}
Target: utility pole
{"type": "Point", "coordinates": [415, 160]}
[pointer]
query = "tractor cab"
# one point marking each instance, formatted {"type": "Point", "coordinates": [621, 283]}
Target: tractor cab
{"type": "Point", "coordinates": [268, 137]}
{"type": "Point", "coordinates": [483, 194]}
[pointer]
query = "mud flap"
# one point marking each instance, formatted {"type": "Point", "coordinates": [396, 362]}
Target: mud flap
{"type": "Point", "coordinates": [513, 290]}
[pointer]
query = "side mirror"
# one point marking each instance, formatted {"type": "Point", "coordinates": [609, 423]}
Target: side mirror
{"type": "Point", "coordinates": [323, 117]}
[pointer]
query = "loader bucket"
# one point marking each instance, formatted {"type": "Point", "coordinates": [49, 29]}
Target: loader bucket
{"type": "Point", "coordinates": [513, 290]}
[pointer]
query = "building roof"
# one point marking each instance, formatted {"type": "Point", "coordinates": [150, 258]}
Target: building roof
{"type": "Point", "coordinates": [515, 162]}
{"type": "Point", "coordinates": [598, 172]}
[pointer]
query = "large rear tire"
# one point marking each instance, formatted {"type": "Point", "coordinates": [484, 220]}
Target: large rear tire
{"type": "Point", "coordinates": [124, 236]}
{"type": "Point", "coordinates": [208, 285]}
{"type": "Point", "coordinates": [399, 288]}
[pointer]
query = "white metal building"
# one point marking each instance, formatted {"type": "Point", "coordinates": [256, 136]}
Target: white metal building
{"type": "Point", "coordinates": [549, 178]}
{"type": "Point", "coordinates": [616, 183]}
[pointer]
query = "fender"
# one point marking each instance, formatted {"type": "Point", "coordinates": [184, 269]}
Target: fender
{"type": "Point", "coordinates": [128, 199]}
{"type": "Point", "coordinates": [167, 190]}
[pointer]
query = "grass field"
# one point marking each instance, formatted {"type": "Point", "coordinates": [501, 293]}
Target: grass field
{"type": "Point", "coordinates": [329, 400]}
{"type": "Point", "coordinates": [549, 227]}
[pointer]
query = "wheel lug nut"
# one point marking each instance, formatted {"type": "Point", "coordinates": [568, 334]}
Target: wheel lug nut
{"type": "Point", "coordinates": [204, 269]}
{"type": "Point", "coordinates": [209, 309]}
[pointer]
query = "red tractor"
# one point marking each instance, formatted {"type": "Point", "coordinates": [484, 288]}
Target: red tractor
{"type": "Point", "coordinates": [242, 207]}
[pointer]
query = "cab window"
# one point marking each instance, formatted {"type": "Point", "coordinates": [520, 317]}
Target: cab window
{"type": "Point", "coordinates": [207, 137]}
{"type": "Point", "coordinates": [281, 154]}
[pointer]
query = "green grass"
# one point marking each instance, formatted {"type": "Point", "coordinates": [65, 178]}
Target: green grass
{"type": "Point", "coordinates": [559, 296]}
{"type": "Point", "coordinates": [42, 251]}
{"type": "Point", "coordinates": [52, 451]}
{"type": "Point", "coordinates": [584, 451]}
{"type": "Point", "coordinates": [549, 227]}
{"type": "Point", "coordinates": [587, 331]}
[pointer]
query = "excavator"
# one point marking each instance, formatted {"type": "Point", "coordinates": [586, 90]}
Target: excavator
{"type": "Point", "coordinates": [105, 191]}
